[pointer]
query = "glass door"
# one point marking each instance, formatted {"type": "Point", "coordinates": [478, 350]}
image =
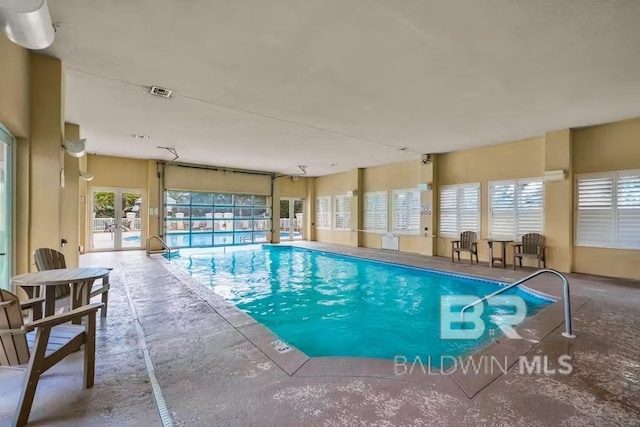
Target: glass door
{"type": "Point", "coordinates": [291, 219]}
{"type": "Point", "coordinates": [116, 221]}
{"type": "Point", "coordinates": [5, 207]}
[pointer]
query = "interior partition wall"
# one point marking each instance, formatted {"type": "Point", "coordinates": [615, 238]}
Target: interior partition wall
{"type": "Point", "coordinates": [201, 219]}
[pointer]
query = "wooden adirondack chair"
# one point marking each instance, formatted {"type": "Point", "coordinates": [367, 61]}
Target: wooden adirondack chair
{"type": "Point", "coordinates": [50, 343]}
{"type": "Point", "coordinates": [468, 243]}
{"type": "Point", "coordinates": [50, 259]}
{"type": "Point", "coordinates": [532, 246]}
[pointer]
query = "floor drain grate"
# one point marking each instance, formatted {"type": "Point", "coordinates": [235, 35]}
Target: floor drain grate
{"type": "Point", "coordinates": [280, 346]}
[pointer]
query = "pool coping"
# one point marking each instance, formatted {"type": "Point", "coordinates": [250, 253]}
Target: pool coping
{"type": "Point", "coordinates": [296, 363]}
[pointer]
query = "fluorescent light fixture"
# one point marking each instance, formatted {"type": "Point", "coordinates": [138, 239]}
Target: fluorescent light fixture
{"type": "Point", "coordinates": [75, 147]}
{"type": "Point", "coordinates": [558, 175]}
{"type": "Point", "coordinates": [86, 176]}
{"type": "Point", "coordinates": [27, 23]}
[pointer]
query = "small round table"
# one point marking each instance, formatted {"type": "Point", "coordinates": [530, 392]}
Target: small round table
{"type": "Point", "coordinates": [79, 279]}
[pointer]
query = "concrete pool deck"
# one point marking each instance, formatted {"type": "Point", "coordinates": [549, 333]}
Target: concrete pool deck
{"type": "Point", "coordinates": [216, 366]}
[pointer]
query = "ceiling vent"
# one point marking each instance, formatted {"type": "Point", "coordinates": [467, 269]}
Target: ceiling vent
{"type": "Point", "coordinates": [160, 91]}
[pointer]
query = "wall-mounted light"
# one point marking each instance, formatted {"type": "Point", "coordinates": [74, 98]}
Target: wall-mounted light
{"type": "Point", "coordinates": [75, 147]}
{"type": "Point", "coordinates": [86, 176]}
{"type": "Point", "coordinates": [424, 187]}
{"type": "Point", "coordinates": [27, 23]}
{"type": "Point", "coordinates": [558, 175]}
{"type": "Point", "coordinates": [352, 193]}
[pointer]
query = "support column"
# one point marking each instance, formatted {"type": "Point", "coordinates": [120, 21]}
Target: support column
{"type": "Point", "coordinates": [357, 217]}
{"type": "Point", "coordinates": [46, 135]}
{"type": "Point", "coordinates": [428, 200]}
{"type": "Point", "coordinates": [558, 201]}
{"type": "Point", "coordinates": [310, 210]}
{"type": "Point", "coordinates": [70, 201]}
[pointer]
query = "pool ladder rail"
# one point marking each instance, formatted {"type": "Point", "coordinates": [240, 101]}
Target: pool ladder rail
{"type": "Point", "coordinates": [166, 249]}
{"type": "Point", "coordinates": [568, 333]}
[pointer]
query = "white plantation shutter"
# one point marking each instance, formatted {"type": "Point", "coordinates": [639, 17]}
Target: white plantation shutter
{"type": "Point", "coordinates": [459, 209]}
{"type": "Point", "coordinates": [502, 214]}
{"type": "Point", "coordinates": [342, 212]}
{"type": "Point", "coordinates": [594, 219]}
{"type": "Point", "coordinates": [323, 212]}
{"type": "Point", "coordinates": [608, 210]}
{"type": "Point", "coordinates": [469, 208]}
{"type": "Point", "coordinates": [516, 208]}
{"type": "Point", "coordinates": [376, 211]}
{"type": "Point", "coordinates": [449, 211]}
{"type": "Point", "coordinates": [406, 211]}
{"type": "Point", "coordinates": [529, 207]}
{"type": "Point", "coordinates": [382, 211]}
{"type": "Point", "coordinates": [628, 206]}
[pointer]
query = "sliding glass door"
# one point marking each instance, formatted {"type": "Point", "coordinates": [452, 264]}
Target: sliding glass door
{"type": "Point", "coordinates": [6, 207]}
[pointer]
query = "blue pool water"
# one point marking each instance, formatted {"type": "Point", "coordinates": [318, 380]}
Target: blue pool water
{"type": "Point", "coordinates": [331, 305]}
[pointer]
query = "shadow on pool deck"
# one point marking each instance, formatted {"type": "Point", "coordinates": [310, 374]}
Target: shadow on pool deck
{"type": "Point", "coordinates": [212, 373]}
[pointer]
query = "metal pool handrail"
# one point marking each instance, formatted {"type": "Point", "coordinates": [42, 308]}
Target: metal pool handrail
{"type": "Point", "coordinates": [165, 248]}
{"type": "Point", "coordinates": [568, 333]}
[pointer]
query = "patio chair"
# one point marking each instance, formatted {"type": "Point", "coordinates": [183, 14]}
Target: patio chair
{"type": "Point", "coordinates": [43, 343]}
{"type": "Point", "coordinates": [50, 259]}
{"type": "Point", "coordinates": [532, 246]}
{"type": "Point", "coordinates": [468, 243]}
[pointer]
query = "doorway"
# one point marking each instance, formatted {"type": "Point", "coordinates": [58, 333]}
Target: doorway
{"type": "Point", "coordinates": [6, 207]}
{"type": "Point", "coordinates": [116, 219]}
{"type": "Point", "coordinates": [291, 219]}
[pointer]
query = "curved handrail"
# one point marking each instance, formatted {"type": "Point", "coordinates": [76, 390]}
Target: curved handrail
{"type": "Point", "coordinates": [162, 242]}
{"type": "Point", "coordinates": [568, 333]}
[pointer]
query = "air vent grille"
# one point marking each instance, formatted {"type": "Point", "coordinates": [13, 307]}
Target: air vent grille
{"type": "Point", "coordinates": [160, 91]}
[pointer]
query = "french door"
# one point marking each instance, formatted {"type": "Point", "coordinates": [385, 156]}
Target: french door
{"type": "Point", "coordinates": [291, 219]}
{"type": "Point", "coordinates": [116, 221]}
{"type": "Point", "coordinates": [6, 207]}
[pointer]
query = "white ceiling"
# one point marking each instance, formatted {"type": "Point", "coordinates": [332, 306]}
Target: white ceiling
{"type": "Point", "coordinates": [270, 85]}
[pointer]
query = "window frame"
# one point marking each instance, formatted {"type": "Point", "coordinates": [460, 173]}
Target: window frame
{"type": "Point", "coordinates": [478, 210]}
{"type": "Point", "coordinates": [614, 217]}
{"type": "Point", "coordinates": [406, 231]}
{"type": "Point", "coordinates": [377, 212]}
{"type": "Point", "coordinates": [516, 228]}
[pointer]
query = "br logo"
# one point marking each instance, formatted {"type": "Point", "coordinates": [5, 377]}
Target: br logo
{"type": "Point", "coordinates": [471, 325]}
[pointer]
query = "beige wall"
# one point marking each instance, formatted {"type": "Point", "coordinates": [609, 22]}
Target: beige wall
{"type": "Point", "coordinates": [607, 148]}
{"type": "Point", "coordinates": [125, 173]}
{"type": "Point", "coordinates": [520, 159]}
{"type": "Point", "coordinates": [14, 87]}
{"type": "Point", "coordinates": [32, 108]}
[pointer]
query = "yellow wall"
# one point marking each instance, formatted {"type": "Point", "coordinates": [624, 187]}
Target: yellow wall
{"type": "Point", "coordinates": [330, 185]}
{"type": "Point", "coordinates": [520, 159]}
{"type": "Point", "coordinates": [125, 173]}
{"type": "Point", "coordinates": [14, 87]}
{"type": "Point", "coordinates": [606, 148]}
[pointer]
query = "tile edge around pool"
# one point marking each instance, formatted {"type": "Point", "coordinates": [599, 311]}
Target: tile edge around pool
{"type": "Point", "coordinates": [296, 363]}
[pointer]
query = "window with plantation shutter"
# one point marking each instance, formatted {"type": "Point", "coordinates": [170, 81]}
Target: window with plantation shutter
{"type": "Point", "coordinates": [406, 211]}
{"type": "Point", "coordinates": [516, 207]}
{"type": "Point", "coordinates": [376, 211]}
{"type": "Point", "coordinates": [608, 210]}
{"type": "Point", "coordinates": [323, 212]}
{"type": "Point", "coordinates": [342, 212]}
{"type": "Point", "coordinates": [459, 209]}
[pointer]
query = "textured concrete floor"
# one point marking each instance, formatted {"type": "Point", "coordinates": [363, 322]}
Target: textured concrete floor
{"type": "Point", "coordinates": [212, 374]}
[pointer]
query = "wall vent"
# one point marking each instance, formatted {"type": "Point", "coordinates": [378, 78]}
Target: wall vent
{"type": "Point", "coordinates": [160, 91]}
